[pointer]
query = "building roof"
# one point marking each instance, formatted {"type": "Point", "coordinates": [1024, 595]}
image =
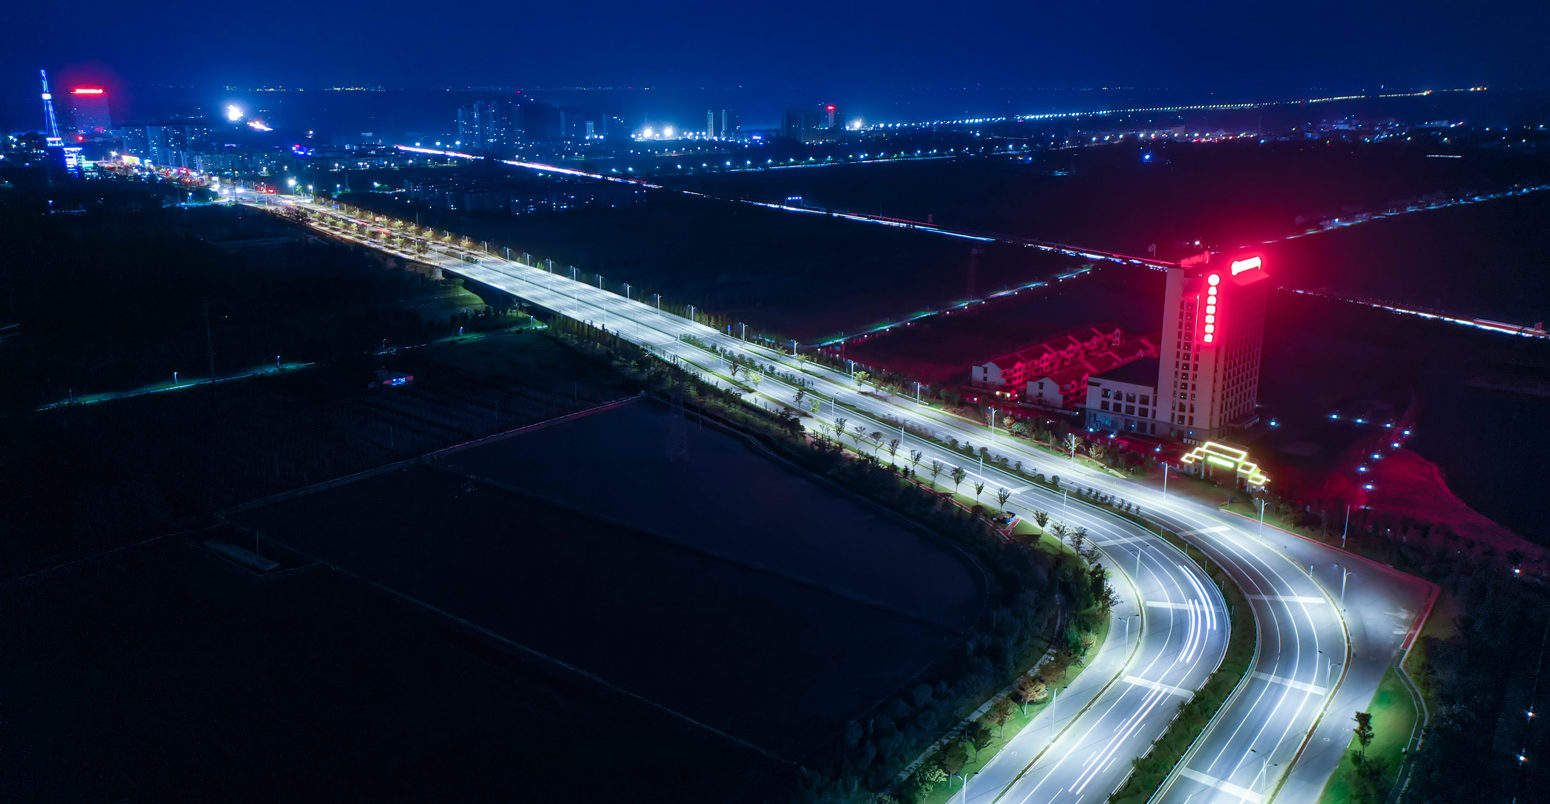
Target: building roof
{"type": "Point", "coordinates": [1140, 372]}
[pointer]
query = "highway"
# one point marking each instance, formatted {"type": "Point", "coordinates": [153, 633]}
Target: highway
{"type": "Point", "coordinates": [1283, 729]}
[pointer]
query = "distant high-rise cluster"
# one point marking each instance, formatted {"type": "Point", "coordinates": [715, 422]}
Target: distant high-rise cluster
{"type": "Point", "coordinates": [498, 124]}
{"type": "Point", "coordinates": [720, 124]}
{"type": "Point", "coordinates": [811, 125]}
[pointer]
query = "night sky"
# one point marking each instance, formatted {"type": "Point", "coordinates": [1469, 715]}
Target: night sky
{"type": "Point", "coordinates": [840, 47]}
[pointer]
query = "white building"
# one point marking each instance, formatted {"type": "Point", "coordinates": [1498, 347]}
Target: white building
{"type": "Point", "coordinates": [1213, 331]}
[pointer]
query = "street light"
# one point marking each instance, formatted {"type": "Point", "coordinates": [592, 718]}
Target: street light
{"type": "Point", "coordinates": [1344, 574]}
{"type": "Point", "coordinates": [992, 421]}
{"type": "Point", "coordinates": [626, 291]}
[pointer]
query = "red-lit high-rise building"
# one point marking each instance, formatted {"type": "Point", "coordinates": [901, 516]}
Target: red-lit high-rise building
{"type": "Point", "coordinates": [1213, 330]}
{"type": "Point", "coordinates": [87, 110]}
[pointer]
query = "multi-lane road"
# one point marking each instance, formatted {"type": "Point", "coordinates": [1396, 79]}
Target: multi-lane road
{"type": "Point", "coordinates": [1282, 732]}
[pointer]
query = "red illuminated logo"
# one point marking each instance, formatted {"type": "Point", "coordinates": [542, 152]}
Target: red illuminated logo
{"type": "Point", "coordinates": [86, 91]}
{"type": "Point", "coordinates": [1249, 264]}
{"type": "Point", "coordinates": [1210, 331]}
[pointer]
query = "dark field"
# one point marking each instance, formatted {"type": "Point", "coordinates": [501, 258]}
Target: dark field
{"type": "Point", "coordinates": [717, 604]}
{"type": "Point", "coordinates": [1489, 260]}
{"type": "Point", "coordinates": [167, 674]}
{"type": "Point", "coordinates": [1228, 194]}
{"type": "Point", "coordinates": [940, 349]}
{"type": "Point", "coordinates": [86, 478]}
{"type": "Point", "coordinates": [788, 274]}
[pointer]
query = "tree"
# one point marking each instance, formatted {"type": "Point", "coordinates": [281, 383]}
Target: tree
{"type": "Point", "coordinates": [801, 394]}
{"type": "Point", "coordinates": [1002, 495]}
{"type": "Point", "coordinates": [814, 404]}
{"type": "Point", "coordinates": [1364, 735]}
{"type": "Point", "coordinates": [1097, 450]}
{"type": "Point", "coordinates": [927, 778]}
{"type": "Point", "coordinates": [1000, 712]}
{"type": "Point", "coordinates": [915, 456]}
{"type": "Point", "coordinates": [1071, 443]}
{"type": "Point", "coordinates": [1078, 536]}
{"type": "Point", "coordinates": [955, 756]}
{"type": "Point", "coordinates": [856, 434]}
{"type": "Point", "coordinates": [877, 442]}
{"type": "Point", "coordinates": [893, 450]}
{"type": "Point", "coordinates": [1041, 518]}
{"type": "Point", "coordinates": [979, 488]}
{"type": "Point", "coordinates": [936, 469]}
{"type": "Point", "coordinates": [1059, 531]}
{"type": "Point", "coordinates": [839, 430]}
{"type": "Point", "coordinates": [958, 474]}
{"type": "Point", "coordinates": [1031, 689]}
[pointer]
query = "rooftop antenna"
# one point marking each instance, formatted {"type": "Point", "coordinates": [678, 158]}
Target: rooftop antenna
{"type": "Point", "coordinates": [52, 134]}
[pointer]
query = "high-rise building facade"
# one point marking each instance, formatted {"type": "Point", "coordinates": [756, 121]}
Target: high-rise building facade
{"type": "Point", "coordinates": [87, 112]}
{"type": "Point", "coordinates": [1213, 331]}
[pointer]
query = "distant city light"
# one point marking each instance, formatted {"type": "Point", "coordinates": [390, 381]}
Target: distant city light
{"type": "Point", "coordinates": [233, 112]}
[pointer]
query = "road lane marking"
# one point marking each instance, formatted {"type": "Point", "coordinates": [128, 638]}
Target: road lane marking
{"type": "Point", "coordinates": [1213, 529]}
{"type": "Point", "coordinates": [1158, 686]}
{"type": "Point", "coordinates": [1290, 598]}
{"type": "Point", "coordinates": [1165, 604]}
{"type": "Point", "coordinates": [1296, 685]}
{"type": "Point", "coordinates": [1121, 540]}
{"type": "Point", "coordinates": [1224, 786]}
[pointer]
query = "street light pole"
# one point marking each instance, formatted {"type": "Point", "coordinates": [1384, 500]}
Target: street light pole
{"type": "Point", "coordinates": [1347, 527]}
{"type": "Point", "coordinates": [992, 422]}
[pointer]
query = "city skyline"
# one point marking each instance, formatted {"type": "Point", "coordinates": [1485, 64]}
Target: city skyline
{"type": "Point", "coordinates": [850, 50]}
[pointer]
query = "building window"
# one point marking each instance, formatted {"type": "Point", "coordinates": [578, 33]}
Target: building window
{"type": "Point", "coordinates": [1103, 405]}
{"type": "Point", "coordinates": [1105, 391]}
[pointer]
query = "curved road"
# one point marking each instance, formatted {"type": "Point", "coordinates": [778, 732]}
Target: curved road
{"type": "Point", "coordinates": [1272, 736]}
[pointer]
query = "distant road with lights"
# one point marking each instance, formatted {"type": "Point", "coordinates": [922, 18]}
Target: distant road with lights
{"type": "Point", "coordinates": [1283, 731]}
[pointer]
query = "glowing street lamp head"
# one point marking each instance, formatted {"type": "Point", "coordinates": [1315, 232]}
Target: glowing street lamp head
{"type": "Point", "coordinates": [667, 132]}
{"type": "Point", "coordinates": [234, 113]}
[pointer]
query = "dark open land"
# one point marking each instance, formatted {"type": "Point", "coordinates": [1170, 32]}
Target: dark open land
{"type": "Point", "coordinates": [940, 349]}
{"type": "Point", "coordinates": [165, 673]}
{"type": "Point", "coordinates": [1487, 260]}
{"type": "Point", "coordinates": [117, 298]}
{"type": "Point", "coordinates": [1225, 194]}
{"type": "Point", "coordinates": [87, 478]}
{"type": "Point", "coordinates": [788, 274]}
{"type": "Point", "coordinates": [722, 586]}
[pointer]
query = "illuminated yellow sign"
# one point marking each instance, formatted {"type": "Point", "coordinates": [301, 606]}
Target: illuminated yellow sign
{"type": "Point", "coordinates": [1230, 458]}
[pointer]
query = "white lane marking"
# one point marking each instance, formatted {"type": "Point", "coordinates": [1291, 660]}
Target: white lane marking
{"type": "Point", "coordinates": [1160, 687]}
{"type": "Point", "coordinates": [1164, 604]}
{"type": "Point", "coordinates": [1289, 598]}
{"type": "Point", "coordinates": [1225, 787]}
{"type": "Point", "coordinates": [1121, 540]}
{"type": "Point", "coordinates": [1214, 529]}
{"type": "Point", "coordinates": [1296, 685]}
